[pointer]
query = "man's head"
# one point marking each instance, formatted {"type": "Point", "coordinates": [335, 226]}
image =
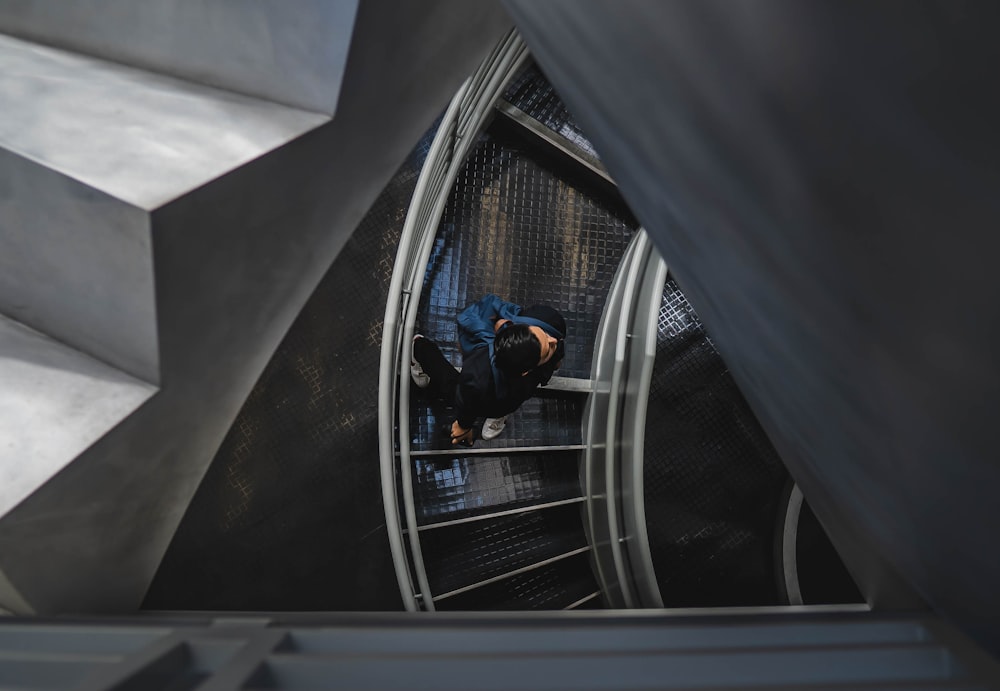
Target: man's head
{"type": "Point", "coordinates": [520, 348]}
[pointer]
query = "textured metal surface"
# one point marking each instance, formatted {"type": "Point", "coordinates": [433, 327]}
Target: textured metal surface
{"type": "Point", "coordinates": [294, 53]}
{"type": "Point", "coordinates": [462, 555]}
{"type": "Point", "coordinates": [712, 481]}
{"type": "Point", "coordinates": [552, 586]}
{"type": "Point", "coordinates": [555, 142]}
{"type": "Point", "coordinates": [532, 93]}
{"type": "Point", "coordinates": [516, 229]}
{"type": "Point", "coordinates": [292, 489]}
{"type": "Point", "coordinates": [547, 419]}
{"type": "Point", "coordinates": [450, 488]}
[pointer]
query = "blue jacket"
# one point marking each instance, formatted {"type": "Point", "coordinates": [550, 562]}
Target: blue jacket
{"type": "Point", "coordinates": [483, 390]}
{"type": "Point", "coordinates": [475, 322]}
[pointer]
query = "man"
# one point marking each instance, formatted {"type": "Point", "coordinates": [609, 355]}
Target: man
{"type": "Point", "coordinates": [507, 353]}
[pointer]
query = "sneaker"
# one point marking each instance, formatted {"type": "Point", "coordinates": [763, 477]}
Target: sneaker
{"type": "Point", "coordinates": [420, 378]}
{"type": "Point", "coordinates": [493, 427]}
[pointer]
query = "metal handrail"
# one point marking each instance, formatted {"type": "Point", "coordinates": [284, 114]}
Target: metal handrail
{"type": "Point", "coordinates": [389, 358]}
{"type": "Point", "coordinates": [613, 420]}
{"type": "Point", "coordinates": [468, 113]}
{"type": "Point", "coordinates": [615, 427]}
{"type": "Point", "coordinates": [506, 512]}
{"type": "Point", "coordinates": [515, 572]}
{"type": "Point", "coordinates": [607, 566]}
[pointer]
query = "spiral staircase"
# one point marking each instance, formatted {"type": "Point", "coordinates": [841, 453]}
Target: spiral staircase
{"type": "Point", "coordinates": [561, 512]}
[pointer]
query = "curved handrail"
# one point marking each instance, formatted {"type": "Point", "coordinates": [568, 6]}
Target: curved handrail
{"type": "Point", "coordinates": [467, 115]}
{"type": "Point", "coordinates": [615, 425]}
{"type": "Point", "coordinates": [600, 527]}
{"type": "Point", "coordinates": [635, 402]}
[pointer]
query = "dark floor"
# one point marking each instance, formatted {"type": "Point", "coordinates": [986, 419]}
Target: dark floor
{"type": "Point", "coordinates": [522, 228]}
{"type": "Point", "coordinates": [519, 224]}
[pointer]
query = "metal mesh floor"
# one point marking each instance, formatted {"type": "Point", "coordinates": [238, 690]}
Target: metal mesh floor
{"type": "Point", "coordinates": [553, 586]}
{"type": "Point", "coordinates": [712, 479]}
{"type": "Point", "coordinates": [549, 419]}
{"type": "Point", "coordinates": [514, 228]}
{"type": "Point", "coordinates": [462, 555]}
{"type": "Point", "coordinates": [452, 487]}
{"type": "Point", "coordinates": [532, 93]}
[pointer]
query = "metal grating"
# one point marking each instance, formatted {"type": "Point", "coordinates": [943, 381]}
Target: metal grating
{"type": "Point", "coordinates": [465, 554]}
{"type": "Point", "coordinates": [451, 488]}
{"type": "Point", "coordinates": [532, 93]}
{"type": "Point", "coordinates": [712, 479]}
{"type": "Point", "coordinates": [550, 419]}
{"type": "Point", "coordinates": [514, 228]}
{"type": "Point", "coordinates": [553, 586]}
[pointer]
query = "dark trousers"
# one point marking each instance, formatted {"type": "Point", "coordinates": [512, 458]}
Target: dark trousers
{"type": "Point", "coordinates": [444, 377]}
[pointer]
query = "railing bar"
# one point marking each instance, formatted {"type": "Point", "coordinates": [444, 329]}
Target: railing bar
{"type": "Point", "coordinates": [567, 147]}
{"type": "Point", "coordinates": [489, 65]}
{"type": "Point", "coordinates": [511, 574]}
{"type": "Point", "coordinates": [494, 451]}
{"type": "Point", "coordinates": [569, 384]}
{"type": "Point", "coordinates": [582, 600]}
{"type": "Point", "coordinates": [406, 479]}
{"type": "Point", "coordinates": [574, 384]}
{"type": "Point", "coordinates": [500, 514]}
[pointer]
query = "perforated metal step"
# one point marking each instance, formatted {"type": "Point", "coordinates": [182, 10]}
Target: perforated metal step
{"type": "Point", "coordinates": [522, 226]}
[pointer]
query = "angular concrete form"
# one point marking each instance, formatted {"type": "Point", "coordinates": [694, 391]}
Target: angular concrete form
{"type": "Point", "coordinates": [54, 402]}
{"type": "Point", "coordinates": [173, 231]}
{"type": "Point", "coordinates": [292, 52]}
{"type": "Point", "coordinates": [89, 148]}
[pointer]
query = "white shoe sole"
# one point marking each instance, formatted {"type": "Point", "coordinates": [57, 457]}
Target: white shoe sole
{"type": "Point", "coordinates": [489, 433]}
{"type": "Point", "coordinates": [417, 374]}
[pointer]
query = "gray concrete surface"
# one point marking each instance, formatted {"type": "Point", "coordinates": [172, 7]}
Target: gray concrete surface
{"type": "Point", "coordinates": [823, 180]}
{"type": "Point", "coordinates": [143, 138]}
{"type": "Point", "coordinates": [291, 52]}
{"type": "Point", "coordinates": [77, 264]}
